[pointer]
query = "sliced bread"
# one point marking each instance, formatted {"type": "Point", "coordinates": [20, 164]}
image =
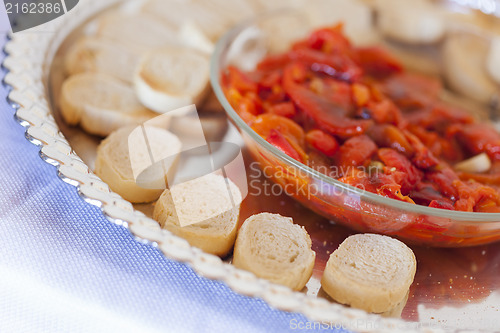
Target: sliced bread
{"type": "Point", "coordinates": [137, 29]}
{"type": "Point", "coordinates": [273, 248]}
{"type": "Point", "coordinates": [204, 211]}
{"type": "Point", "coordinates": [178, 12]}
{"type": "Point", "coordinates": [94, 54]}
{"type": "Point", "coordinates": [420, 23]}
{"type": "Point", "coordinates": [493, 64]}
{"type": "Point", "coordinates": [369, 272]}
{"type": "Point", "coordinates": [172, 77]}
{"type": "Point", "coordinates": [113, 164]}
{"type": "Point", "coordinates": [100, 103]}
{"type": "Point", "coordinates": [464, 59]}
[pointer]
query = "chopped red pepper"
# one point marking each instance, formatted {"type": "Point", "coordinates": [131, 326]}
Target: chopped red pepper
{"type": "Point", "coordinates": [323, 142]}
{"type": "Point", "coordinates": [369, 123]}
{"type": "Point", "coordinates": [279, 141]}
{"type": "Point", "coordinates": [377, 62]}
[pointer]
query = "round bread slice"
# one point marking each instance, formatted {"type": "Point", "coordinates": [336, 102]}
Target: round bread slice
{"type": "Point", "coordinates": [175, 13]}
{"type": "Point", "coordinates": [204, 211]}
{"type": "Point", "coordinates": [172, 77]}
{"type": "Point", "coordinates": [493, 63]}
{"type": "Point", "coordinates": [464, 64]}
{"type": "Point", "coordinates": [113, 164]}
{"type": "Point", "coordinates": [273, 248]}
{"type": "Point", "coordinates": [100, 103]}
{"type": "Point", "coordinates": [369, 272]}
{"type": "Point", "coordinates": [94, 54]}
{"type": "Point", "coordinates": [420, 23]}
{"type": "Point", "coordinates": [137, 29]}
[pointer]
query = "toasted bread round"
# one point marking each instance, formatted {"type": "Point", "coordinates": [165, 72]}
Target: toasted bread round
{"type": "Point", "coordinates": [94, 54]}
{"type": "Point", "coordinates": [273, 248]}
{"type": "Point", "coordinates": [171, 77]}
{"type": "Point", "coordinates": [176, 13]}
{"type": "Point", "coordinates": [204, 211]}
{"type": "Point", "coordinates": [464, 64]}
{"type": "Point", "coordinates": [113, 163]}
{"type": "Point", "coordinates": [137, 29]}
{"type": "Point", "coordinates": [420, 23]}
{"type": "Point", "coordinates": [100, 103]}
{"type": "Point", "coordinates": [356, 17]}
{"type": "Point", "coordinates": [493, 64]}
{"type": "Point", "coordinates": [369, 272]}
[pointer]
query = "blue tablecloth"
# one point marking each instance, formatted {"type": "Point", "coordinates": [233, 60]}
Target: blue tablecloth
{"type": "Point", "coordinates": [65, 268]}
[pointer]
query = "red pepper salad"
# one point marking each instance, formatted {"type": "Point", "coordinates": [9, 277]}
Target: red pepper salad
{"type": "Point", "coordinates": [354, 114]}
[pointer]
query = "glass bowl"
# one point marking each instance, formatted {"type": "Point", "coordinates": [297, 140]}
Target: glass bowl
{"type": "Point", "coordinates": [360, 210]}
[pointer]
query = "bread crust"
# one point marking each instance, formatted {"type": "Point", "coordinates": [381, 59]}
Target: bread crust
{"type": "Point", "coordinates": [215, 234]}
{"type": "Point", "coordinates": [118, 174]}
{"type": "Point", "coordinates": [100, 103]}
{"type": "Point", "coordinates": [369, 272]}
{"type": "Point", "coordinates": [273, 248]}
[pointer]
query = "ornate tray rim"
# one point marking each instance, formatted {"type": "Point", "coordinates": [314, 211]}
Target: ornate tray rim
{"type": "Point", "coordinates": [26, 73]}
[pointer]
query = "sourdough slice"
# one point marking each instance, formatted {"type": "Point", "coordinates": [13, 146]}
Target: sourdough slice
{"type": "Point", "coordinates": [273, 248]}
{"type": "Point", "coordinates": [138, 29]}
{"type": "Point", "coordinates": [94, 54]}
{"type": "Point", "coordinates": [204, 211]}
{"type": "Point", "coordinates": [369, 272]}
{"type": "Point", "coordinates": [113, 163]}
{"type": "Point", "coordinates": [100, 103]}
{"type": "Point", "coordinates": [172, 77]}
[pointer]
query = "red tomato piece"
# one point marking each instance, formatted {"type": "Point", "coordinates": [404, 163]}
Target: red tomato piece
{"type": "Point", "coordinates": [323, 142]}
{"type": "Point", "coordinates": [479, 138]}
{"type": "Point", "coordinates": [423, 158]}
{"type": "Point", "coordinates": [443, 204]}
{"type": "Point", "coordinates": [361, 94]}
{"type": "Point", "coordinates": [393, 159]}
{"type": "Point", "coordinates": [412, 91]}
{"type": "Point", "coordinates": [390, 136]}
{"type": "Point", "coordinates": [274, 62]}
{"type": "Point", "coordinates": [326, 115]}
{"type": "Point", "coordinates": [285, 109]}
{"type": "Point", "coordinates": [240, 81]}
{"type": "Point", "coordinates": [265, 123]}
{"type": "Point", "coordinates": [356, 151]}
{"type": "Point", "coordinates": [336, 65]}
{"type": "Point", "coordinates": [377, 62]}
{"type": "Point", "coordinates": [329, 40]}
{"type": "Point", "coordinates": [279, 141]}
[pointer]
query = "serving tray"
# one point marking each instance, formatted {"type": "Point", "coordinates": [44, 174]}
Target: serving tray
{"type": "Point", "coordinates": [454, 289]}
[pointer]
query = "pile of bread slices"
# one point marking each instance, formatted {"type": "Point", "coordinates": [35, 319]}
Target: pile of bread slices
{"type": "Point", "coordinates": [146, 58]}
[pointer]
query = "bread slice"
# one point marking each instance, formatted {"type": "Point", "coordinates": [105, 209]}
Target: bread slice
{"type": "Point", "coordinates": [273, 248]}
{"type": "Point", "coordinates": [420, 23]}
{"type": "Point", "coordinates": [100, 103]}
{"type": "Point", "coordinates": [369, 272]}
{"type": "Point", "coordinates": [113, 164]}
{"type": "Point", "coordinates": [355, 15]}
{"type": "Point", "coordinates": [137, 29]}
{"type": "Point", "coordinates": [493, 65]}
{"type": "Point", "coordinates": [204, 211]}
{"type": "Point", "coordinates": [177, 12]}
{"type": "Point", "coordinates": [94, 54]}
{"type": "Point", "coordinates": [464, 64]}
{"type": "Point", "coordinates": [172, 77]}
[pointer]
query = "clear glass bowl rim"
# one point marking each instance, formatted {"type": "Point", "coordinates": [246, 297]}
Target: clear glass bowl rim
{"type": "Point", "coordinates": [215, 75]}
